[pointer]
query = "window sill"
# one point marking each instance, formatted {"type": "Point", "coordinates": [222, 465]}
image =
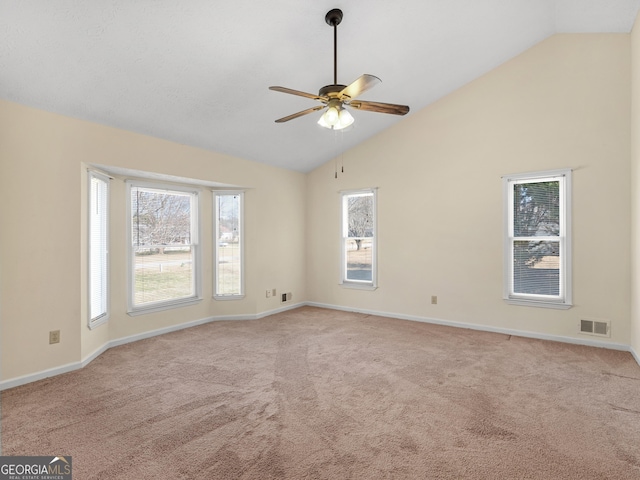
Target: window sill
{"type": "Point", "coordinates": [93, 324]}
{"type": "Point", "coordinates": [228, 297]}
{"type": "Point", "coordinates": [359, 286]}
{"type": "Point", "coordinates": [162, 307]}
{"type": "Point", "coordinates": [534, 303]}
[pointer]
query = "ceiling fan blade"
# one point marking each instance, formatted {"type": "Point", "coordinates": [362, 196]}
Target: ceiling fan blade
{"type": "Point", "coordinates": [299, 93]}
{"type": "Point", "coordinates": [380, 107]}
{"type": "Point", "coordinates": [300, 114]}
{"type": "Point", "coordinates": [361, 85]}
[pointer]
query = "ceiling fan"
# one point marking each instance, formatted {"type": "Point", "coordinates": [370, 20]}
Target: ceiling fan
{"type": "Point", "coordinates": [335, 97]}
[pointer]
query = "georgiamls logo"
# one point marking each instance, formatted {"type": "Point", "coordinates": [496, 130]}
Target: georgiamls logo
{"type": "Point", "coordinates": [35, 468]}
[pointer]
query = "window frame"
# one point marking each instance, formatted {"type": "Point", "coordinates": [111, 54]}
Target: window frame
{"type": "Point", "coordinates": [564, 299]}
{"type": "Point", "coordinates": [162, 305]}
{"type": "Point", "coordinates": [94, 322]}
{"type": "Point", "coordinates": [216, 231]}
{"type": "Point", "coordinates": [344, 237]}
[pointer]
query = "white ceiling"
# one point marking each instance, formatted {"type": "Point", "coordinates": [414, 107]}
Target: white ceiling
{"type": "Point", "coordinates": [197, 72]}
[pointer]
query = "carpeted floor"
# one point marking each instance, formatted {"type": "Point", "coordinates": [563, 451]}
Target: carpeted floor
{"type": "Point", "coordinates": [322, 394]}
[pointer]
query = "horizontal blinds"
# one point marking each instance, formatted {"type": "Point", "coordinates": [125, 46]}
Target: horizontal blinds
{"type": "Point", "coordinates": [359, 209]}
{"type": "Point", "coordinates": [98, 246]}
{"type": "Point", "coordinates": [537, 237]}
{"type": "Point", "coordinates": [160, 217]}
{"type": "Point", "coordinates": [163, 247]}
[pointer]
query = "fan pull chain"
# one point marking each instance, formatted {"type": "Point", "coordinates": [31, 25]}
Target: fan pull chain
{"type": "Point", "coordinates": [335, 154]}
{"type": "Point", "coordinates": [338, 152]}
{"type": "Point", "coordinates": [342, 154]}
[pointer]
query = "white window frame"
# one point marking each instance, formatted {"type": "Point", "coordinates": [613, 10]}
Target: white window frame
{"type": "Point", "coordinates": [564, 299]}
{"type": "Point", "coordinates": [103, 317]}
{"type": "Point", "coordinates": [344, 236]}
{"type": "Point", "coordinates": [195, 245]}
{"type": "Point", "coordinates": [216, 194]}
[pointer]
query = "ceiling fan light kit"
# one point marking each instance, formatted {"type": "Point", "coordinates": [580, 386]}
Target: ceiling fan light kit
{"type": "Point", "coordinates": [336, 117]}
{"type": "Point", "coordinates": [336, 97]}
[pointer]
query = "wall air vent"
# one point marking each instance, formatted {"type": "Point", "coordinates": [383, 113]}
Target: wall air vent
{"type": "Point", "coordinates": [285, 297]}
{"type": "Point", "coordinates": [595, 327]}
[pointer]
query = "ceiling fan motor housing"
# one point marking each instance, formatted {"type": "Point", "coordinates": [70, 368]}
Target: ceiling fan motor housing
{"type": "Point", "coordinates": [331, 91]}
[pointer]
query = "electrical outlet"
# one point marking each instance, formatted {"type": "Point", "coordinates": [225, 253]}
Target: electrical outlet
{"type": "Point", "coordinates": [54, 336]}
{"type": "Point", "coordinates": [268, 293]}
{"type": "Point", "coordinates": [434, 299]}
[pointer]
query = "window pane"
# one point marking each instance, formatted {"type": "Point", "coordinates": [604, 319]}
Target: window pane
{"type": "Point", "coordinates": [359, 259]}
{"type": "Point", "coordinates": [160, 218]}
{"type": "Point", "coordinates": [163, 252]}
{"type": "Point", "coordinates": [536, 209]}
{"type": "Point", "coordinates": [538, 238]}
{"type": "Point", "coordinates": [162, 273]}
{"type": "Point", "coordinates": [98, 253]}
{"type": "Point", "coordinates": [360, 215]}
{"type": "Point", "coordinates": [536, 268]}
{"type": "Point", "coordinates": [229, 254]}
{"type": "Point", "coordinates": [358, 231]}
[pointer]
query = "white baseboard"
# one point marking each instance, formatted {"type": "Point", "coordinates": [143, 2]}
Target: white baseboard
{"type": "Point", "coordinates": [484, 328]}
{"type": "Point", "coordinates": [33, 377]}
{"type": "Point", "coordinates": [635, 355]}
{"type": "Point", "coordinates": [91, 357]}
{"type": "Point", "coordinates": [195, 323]}
{"type": "Point", "coordinates": [280, 310]}
{"type": "Point", "coordinates": [23, 380]}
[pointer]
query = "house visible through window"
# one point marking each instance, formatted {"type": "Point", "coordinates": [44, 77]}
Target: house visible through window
{"type": "Point", "coordinates": [163, 246]}
{"type": "Point", "coordinates": [98, 235]}
{"type": "Point", "coordinates": [359, 238]}
{"type": "Point", "coordinates": [229, 276]}
{"type": "Point", "coordinates": [537, 243]}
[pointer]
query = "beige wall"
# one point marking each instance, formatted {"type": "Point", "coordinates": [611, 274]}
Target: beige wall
{"type": "Point", "coordinates": [635, 189]}
{"type": "Point", "coordinates": [563, 103]}
{"type": "Point", "coordinates": [43, 160]}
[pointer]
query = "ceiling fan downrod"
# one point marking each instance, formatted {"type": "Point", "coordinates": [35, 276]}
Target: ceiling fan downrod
{"type": "Point", "coordinates": [333, 19]}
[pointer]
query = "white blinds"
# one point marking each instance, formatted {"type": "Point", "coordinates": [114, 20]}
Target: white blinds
{"type": "Point", "coordinates": [98, 206]}
{"type": "Point", "coordinates": [538, 237]}
{"type": "Point", "coordinates": [163, 227]}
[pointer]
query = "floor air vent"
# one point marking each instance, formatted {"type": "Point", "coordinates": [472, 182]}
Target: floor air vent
{"type": "Point", "coordinates": [595, 327]}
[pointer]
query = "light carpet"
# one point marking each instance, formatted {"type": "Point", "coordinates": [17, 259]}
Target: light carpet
{"type": "Point", "coordinates": [320, 394]}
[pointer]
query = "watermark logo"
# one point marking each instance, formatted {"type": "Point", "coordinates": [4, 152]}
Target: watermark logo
{"type": "Point", "coordinates": [35, 468]}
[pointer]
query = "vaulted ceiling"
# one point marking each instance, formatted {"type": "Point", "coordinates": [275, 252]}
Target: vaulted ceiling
{"type": "Point", "coordinates": [197, 72]}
